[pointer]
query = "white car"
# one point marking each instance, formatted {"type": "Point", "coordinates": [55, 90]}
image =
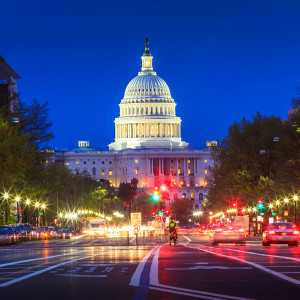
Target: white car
{"type": "Point", "coordinates": [228, 234]}
{"type": "Point", "coordinates": [281, 233]}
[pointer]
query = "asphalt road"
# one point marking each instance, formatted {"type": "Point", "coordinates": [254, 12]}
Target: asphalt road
{"type": "Point", "coordinates": [87, 268]}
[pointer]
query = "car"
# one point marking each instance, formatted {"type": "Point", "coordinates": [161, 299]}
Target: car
{"type": "Point", "coordinates": [281, 233]}
{"type": "Point", "coordinates": [66, 233]}
{"type": "Point", "coordinates": [228, 234]}
{"type": "Point", "coordinates": [52, 232]}
{"type": "Point", "coordinates": [7, 235]}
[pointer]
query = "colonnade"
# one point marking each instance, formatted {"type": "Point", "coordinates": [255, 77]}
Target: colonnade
{"type": "Point", "coordinates": [142, 130]}
{"type": "Point", "coordinates": [136, 110]}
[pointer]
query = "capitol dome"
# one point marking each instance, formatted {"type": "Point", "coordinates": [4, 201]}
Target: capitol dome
{"type": "Point", "coordinates": [147, 113]}
{"type": "Point", "coordinates": [147, 87]}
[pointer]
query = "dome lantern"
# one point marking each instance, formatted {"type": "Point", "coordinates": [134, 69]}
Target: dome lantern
{"type": "Point", "coordinates": [147, 60]}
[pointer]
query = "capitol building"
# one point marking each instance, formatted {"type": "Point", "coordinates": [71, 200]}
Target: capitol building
{"type": "Point", "coordinates": [147, 145]}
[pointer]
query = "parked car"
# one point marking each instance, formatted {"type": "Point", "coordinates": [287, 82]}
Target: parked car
{"type": "Point", "coordinates": [64, 234]}
{"type": "Point", "coordinates": [228, 234]}
{"type": "Point", "coordinates": [281, 233]}
{"type": "Point", "coordinates": [52, 232]}
{"type": "Point", "coordinates": [7, 235]}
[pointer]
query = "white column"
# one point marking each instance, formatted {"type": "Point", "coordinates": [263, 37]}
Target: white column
{"type": "Point", "coordinates": [177, 166]}
{"type": "Point", "coordinates": [162, 166]}
{"type": "Point", "coordinates": [155, 129]}
{"type": "Point", "coordinates": [152, 171]}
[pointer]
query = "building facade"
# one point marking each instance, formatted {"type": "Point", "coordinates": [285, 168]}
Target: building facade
{"type": "Point", "coordinates": [147, 145]}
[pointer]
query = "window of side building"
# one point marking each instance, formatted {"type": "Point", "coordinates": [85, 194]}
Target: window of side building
{"type": "Point", "coordinates": [136, 171]}
{"type": "Point", "coordinates": [103, 172]}
{"type": "Point", "coordinates": [205, 171]}
{"type": "Point", "coordinates": [110, 172]}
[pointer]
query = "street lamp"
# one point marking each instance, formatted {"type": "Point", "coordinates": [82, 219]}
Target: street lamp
{"type": "Point", "coordinates": [295, 198]}
{"type": "Point", "coordinates": [6, 196]}
{"type": "Point", "coordinates": [18, 215]}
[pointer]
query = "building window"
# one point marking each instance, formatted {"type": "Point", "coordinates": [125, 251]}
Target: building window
{"type": "Point", "coordinates": [136, 171]}
{"type": "Point", "coordinates": [120, 172]}
{"type": "Point", "coordinates": [136, 161]}
{"type": "Point", "coordinates": [77, 162]}
{"type": "Point", "coordinates": [110, 162]}
{"type": "Point", "coordinates": [189, 161]}
{"type": "Point", "coordinates": [205, 171]}
{"type": "Point", "coordinates": [93, 162]}
{"type": "Point", "coordinates": [110, 172]}
{"type": "Point", "coordinates": [94, 171]}
{"type": "Point", "coordinates": [201, 197]}
{"type": "Point", "coordinates": [189, 170]}
{"type": "Point", "coordinates": [179, 171]}
{"type": "Point", "coordinates": [84, 162]}
{"type": "Point", "coordinates": [102, 162]}
{"type": "Point", "coordinates": [205, 161]}
{"type": "Point", "coordinates": [103, 172]}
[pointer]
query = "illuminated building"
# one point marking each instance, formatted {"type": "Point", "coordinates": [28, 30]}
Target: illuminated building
{"type": "Point", "coordinates": [147, 143]}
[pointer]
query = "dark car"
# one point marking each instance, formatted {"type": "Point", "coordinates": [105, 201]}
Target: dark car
{"type": "Point", "coordinates": [7, 235]}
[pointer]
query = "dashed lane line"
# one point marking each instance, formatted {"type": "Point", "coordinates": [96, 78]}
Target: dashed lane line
{"type": "Point", "coordinates": [34, 259]}
{"type": "Point", "coordinates": [260, 267]}
{"type": "Point", "coordinates": [44, 270]}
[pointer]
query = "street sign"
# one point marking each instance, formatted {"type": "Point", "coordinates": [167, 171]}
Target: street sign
{"type": "Point", "coordinates": [159, 218]}
{"type": "Point", "coordinates": [136, 228]}
{"type": "Point", "coordinates": [286, 213]}
{"type": "Point", "coordinates": [159, 227]}
{"type": "Point", "coordinates": [136, 218]}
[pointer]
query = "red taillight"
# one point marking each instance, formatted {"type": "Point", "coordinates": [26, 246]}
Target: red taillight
{"type": "Point", "coordinates": [271, 232]}
{"type": "Point", "coordinates": [296, 232]}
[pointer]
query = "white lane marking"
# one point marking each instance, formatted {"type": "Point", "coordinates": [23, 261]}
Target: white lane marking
{"type": "Point", "coordinates": [135, 279]}
{"type": "Point", "coordinates": [106, 265]}
{"type": "Point", "coordinates": [193, 293]}
{"type": "Point", "coordinates": [33, 259]}
{"type": "Point", "coordinates": [77, 275]}
{"type": "Point", "coordinates": [209, 268]}
{"type": "Point", "coordinates": [154, 268]}
{"type": "Point", "coordinates": [261, 254]}
{"type": "Point", "coordinates": [279, 275]}
{"type": "Point", "coordinates": [284, 266]}
{"type": "Point", "coordinates": [187, 238]}
{"type": "Point", "coordinates": [44, 270]}
{"type": "Point", "coordinates": [291, 272]}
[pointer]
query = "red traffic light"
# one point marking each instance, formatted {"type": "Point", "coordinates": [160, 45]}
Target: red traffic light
{"type": "Point", "coordinates": [259, 201]}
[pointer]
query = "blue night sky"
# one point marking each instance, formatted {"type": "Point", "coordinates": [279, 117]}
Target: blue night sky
{"type": "Point", "coordinates": [221, 59]}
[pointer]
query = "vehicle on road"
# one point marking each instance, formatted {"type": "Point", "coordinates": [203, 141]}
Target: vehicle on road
{"type": "Point", "coordinates": [174, 237]}
{"type": "Point", "coordinates": [228, 234]}
{"type": "Point", "coordinates": [66, 234]}
{"type": "Point", "coordinates": [94, 226]}
{"type": "Point", "coordinates": [281, 233]}
{"type": "Point", "coordinates": [7, 235]}
{"type": "Point", "coordinates": [52, 232]}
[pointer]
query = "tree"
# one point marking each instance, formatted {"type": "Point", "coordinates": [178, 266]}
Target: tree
{"type": "Point", "coordinates": [182, 208]}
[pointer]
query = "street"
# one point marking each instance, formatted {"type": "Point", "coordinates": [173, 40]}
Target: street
{"type": "Point", "coordinates": [85, 267]}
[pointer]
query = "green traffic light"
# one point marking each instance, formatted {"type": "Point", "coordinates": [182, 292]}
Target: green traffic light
{"type": "Point", "coordinates": [155, 197]}
{"type": "Point", "coordinates": [160, 213]}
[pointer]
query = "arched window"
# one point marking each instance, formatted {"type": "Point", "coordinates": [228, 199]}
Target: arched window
{"type": "Point", "coordinates": [94, 171]}
{"type": "Point", "coordinates": [192, 196]}
{"type": "Point", "coordinates": [201, 197]}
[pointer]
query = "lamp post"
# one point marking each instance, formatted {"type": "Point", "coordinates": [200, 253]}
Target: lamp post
{"type": "Point", "coordinates": [286, 200]}
{"type": "Point", "coordinates": [6, 196]}
{"type": "Point", "coordinates": [37, 205]}
{"type": "Point", "coordinates": [295, 207]}
{"type": "Point", "coordinates": [44, 217]}
{"type": "Point", "coordinates": [18, 215]}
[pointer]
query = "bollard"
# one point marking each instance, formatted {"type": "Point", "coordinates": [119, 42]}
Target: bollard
{"type": "Point", "coordinates": [127, 238]}
{"type": "Point", "coordinates": [137, 240]}
{"type": "Point", "coordinates": [144, 238]}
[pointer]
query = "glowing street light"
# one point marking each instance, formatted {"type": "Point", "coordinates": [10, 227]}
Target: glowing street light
{"type": "Point", "coordinates": [277, 202]}
{"type": "Point", "coordinates": [5, 196]}
{"type": "Point", "coordinates": [60, 215]}
{"type": "Point", "coordinates": [286, 200]}
{"type": "Point", "coordinates": [27, 202]}
{"type": "Point", "coordinates": [43, 206]}
{"type": "Point", "coordinates": [18, 198]}
{"type": "Point", "coordinates": [37, 204]}
{"type": "Point", "coordinates": [271, 205]}
{"type": "Point", "coordinates": [295, 198]}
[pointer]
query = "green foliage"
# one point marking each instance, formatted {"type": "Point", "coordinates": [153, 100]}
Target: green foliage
{"type": "Point", "coordinates": [242, 171]}
{"type": "Point", "coordinates": [182, 208]}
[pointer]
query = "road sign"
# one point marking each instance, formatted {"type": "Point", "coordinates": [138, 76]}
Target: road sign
{"type": "Point", "coordinates": [136, 228]}
{"type": "Point", "coordinates": [159, 218]}
{"type": "Point", "coordinates": [136, 218]}
{"type": "Point", "coordinates": [159, 227]}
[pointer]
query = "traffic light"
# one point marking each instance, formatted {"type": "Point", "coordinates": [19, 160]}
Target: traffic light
{"type": "Point", "coordinates": [167, 213]}
{"type": "Point", "coordinates": [124, 205]}
{"type": "Point", "coordinates": [55, 221]}
{"type": "Point", "coordinates": [160, 213]}
{"type": "Point", "coordinates": [153, 214]}
{"type": "Point", "coordinates": [260, 204]}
